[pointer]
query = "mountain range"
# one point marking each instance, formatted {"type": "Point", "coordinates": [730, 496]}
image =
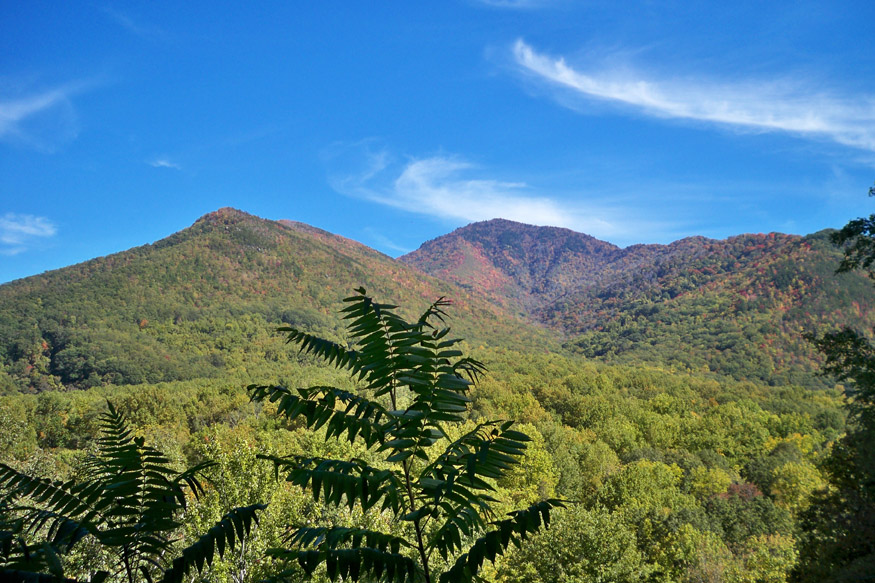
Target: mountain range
{"type": "Point", "coordinates": [739, 307]}
{"type": "Point", "coordinates": [205, 302]}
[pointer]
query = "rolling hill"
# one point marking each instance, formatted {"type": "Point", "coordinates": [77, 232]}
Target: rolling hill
{"type": "Point", "coordinates": [206, 302]}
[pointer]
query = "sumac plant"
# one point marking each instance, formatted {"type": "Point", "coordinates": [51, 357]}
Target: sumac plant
{"type": "Point", "coordinates": [130, 502]}
{"type": "Point", "coordinates": [433, 480]}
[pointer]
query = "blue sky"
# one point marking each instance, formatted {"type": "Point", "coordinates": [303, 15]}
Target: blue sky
{"type": "Point", "coordinates": [395, 122]}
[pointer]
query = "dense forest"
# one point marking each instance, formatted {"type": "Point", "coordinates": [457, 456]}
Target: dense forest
{"type": "Point", "coordinates": [669, 393]}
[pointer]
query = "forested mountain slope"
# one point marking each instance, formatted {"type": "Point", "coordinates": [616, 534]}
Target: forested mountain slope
{"type": "Point", "coordinates": [206, 301]}
{"type": "Point", "coordinates": [738, 307]}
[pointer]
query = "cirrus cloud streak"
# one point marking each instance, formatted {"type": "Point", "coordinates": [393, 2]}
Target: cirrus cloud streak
{"type": "Point", "coordinates": [164, 162]}
{"type": "Point", "coordinates": [448, 188]}
{"type": "Point", "coordinates": [436, 186]}
{"type": "Point", "coordinates": [41, 120]}
{"type": "Point", "coordinates": [782, 106]}
{"type": "Point", "coordinates": [19, 232]}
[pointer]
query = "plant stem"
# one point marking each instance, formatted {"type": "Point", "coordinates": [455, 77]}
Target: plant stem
{"type": "Point", "coordinates": [127, 561]}
{"type": "Point", "coordinates": [419, 543]}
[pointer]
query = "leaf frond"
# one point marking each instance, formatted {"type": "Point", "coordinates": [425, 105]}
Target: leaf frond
{"type": "Point", "coordinates": [335, 354]}
{"type": "Point", "coordinates": [339, 536]}
{"type": "Point", "coordinates": [348, 564]}
{"type": "Point", "coordinates": [225, 534]}
{"type": "Point", "coordinates": [337, 482]}
{"type": "Point", "coordinates": [340, 411]}
{"type": "Point", "coordinates": [519, 526]}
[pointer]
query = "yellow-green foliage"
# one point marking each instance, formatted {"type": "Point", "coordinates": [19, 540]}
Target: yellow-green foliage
{"type": "Point", "coordinates": [646, 453]}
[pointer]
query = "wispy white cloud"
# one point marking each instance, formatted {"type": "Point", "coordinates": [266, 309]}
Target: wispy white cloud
{"type": "Point", "coordinates": [437, 186]}
{"type": "Point", "coordinates": [781, 105]}
{"type": "Point", "coordinates": [452, 189]}
{"type": "Point", "coordinates": [164, 162]}
{"type": "Point", "coordinates": [41, 120]}
{"type": "Point", "coordinates": [138, 28]}
{"type": "Point", "coordinates": [516, 4]}
{"type": "Point", "coordinates": [385, 242]}
{"type": "Point", "coordinates": [19, 232]}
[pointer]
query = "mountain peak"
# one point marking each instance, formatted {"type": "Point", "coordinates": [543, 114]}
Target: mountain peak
{"type": "Point", "coordinates": [515, 262]}
{"type": "Point", "coordinates": [507, 225]}
{"type": "Point", "coordinates": [225, 215]}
